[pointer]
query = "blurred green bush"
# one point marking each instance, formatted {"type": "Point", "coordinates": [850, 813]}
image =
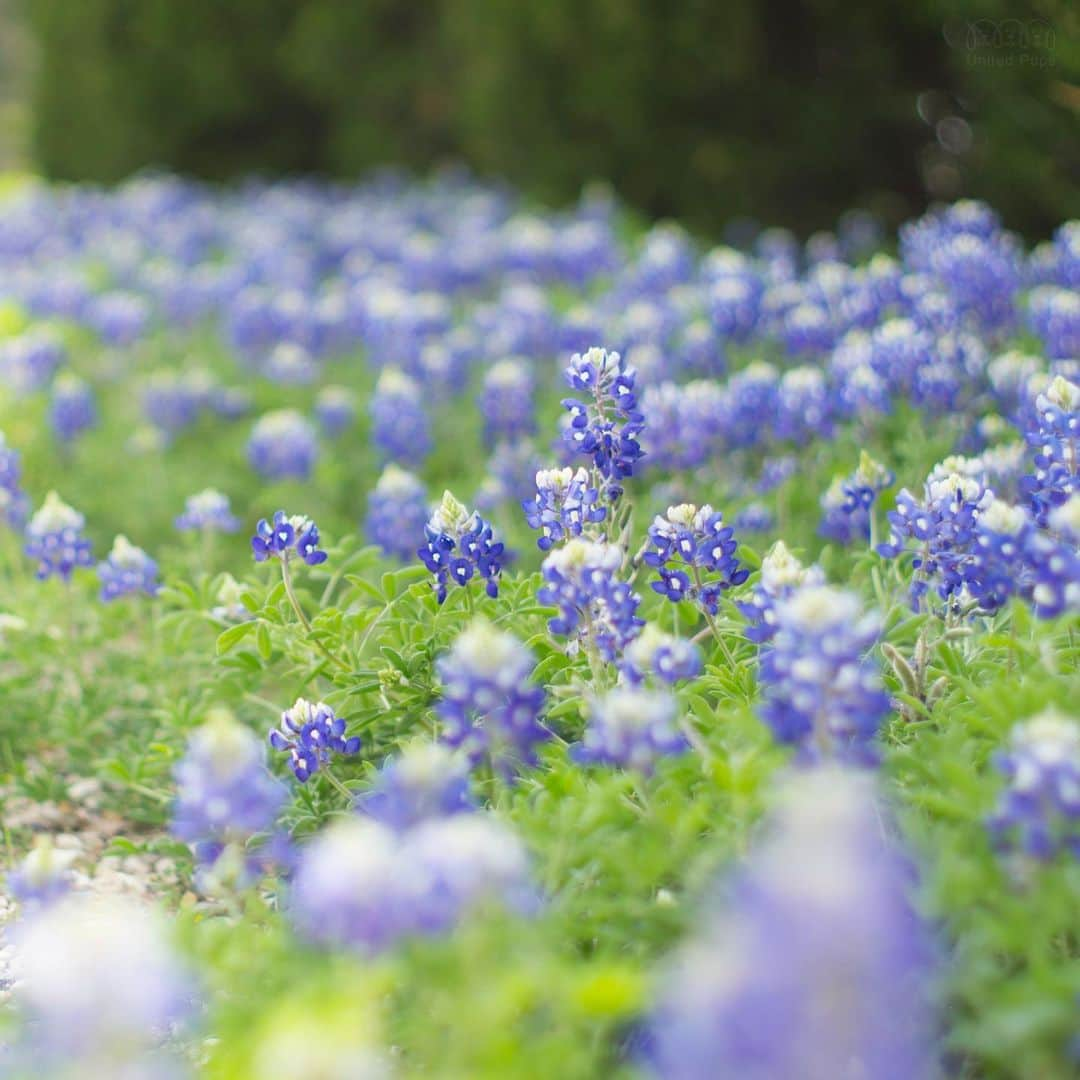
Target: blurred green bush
{"type": "Point", "coordinates": [789, 112]}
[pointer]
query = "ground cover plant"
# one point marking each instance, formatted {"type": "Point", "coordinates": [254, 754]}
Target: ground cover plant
{"type": "Point", "coordinates": [443, 637]}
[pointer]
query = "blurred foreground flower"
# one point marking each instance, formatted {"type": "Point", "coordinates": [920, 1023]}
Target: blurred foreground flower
{"type": "Point", "coordinates": [362, 885]}
{"type": "Point", "coordinates": [818, 968]}
{"type": "Point", "coordinates": [632, 729]}
{"type": "Point", "coordinates": [96, 985]}
{"type": "Point", "coordinates": [1039, 812]}
{"type": "Point", "coordinates": [425, 781]}
{"type": "Point", "coordinates": [224, 793]}
{"type": "Point", "coordinates": [43, 877]}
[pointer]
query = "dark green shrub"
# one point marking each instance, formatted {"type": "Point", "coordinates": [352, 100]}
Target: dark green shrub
{"type": "Point", "coordinates": [788, 112]}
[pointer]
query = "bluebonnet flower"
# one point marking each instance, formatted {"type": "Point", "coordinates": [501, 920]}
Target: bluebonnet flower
{"type": "Point", "coordinates": [43, 876]}
{"type": "Point", "coordinates": [580, 325]}
{"type": "Point", "coordinates": [510, 476]}
{"type": "Point", "coordinates": [781, 297]}
{"type": "Point", "coordinates": [1042, 265]}
{"type": "Point", "coordinates": [230, 402]}
{"type": "Point", "coordinates": [779, 250]}
{"type": "Point", "coordinates": [208, 510]}
{"type": "Point", "coordinates": [666, 258]}
{"type": "Point", "coordinates": [807, 329]}
{"type": "Point", "coordinates": [781, 575]}
{"type": "Point", "coordinates": [858, 388]}
{"type": "Point", "coordinates": [684, 425]}
{"type": "Point", "coordinates": [597, 609]}
{"type": "Point", "coordinates": [507, 402]}
{"type": "Point", "coordinates": [776, 471]}
{"type": "Point", "coordinates": [998, 568]}
{"type": "Point", "coordinates": [735, 304]}
{"type": "Point", "coordinates": [939, 530]}
{"type": "Point", "coordinates": [699, 350]}
{"type": "Point", "coordinates": [848, 503]}
{"type": "Point", "coordinates": [459, 545]}
{"type": "Point", "coordinates": [400, 425]}
{"type": "Point", "coordinates": [695, 555]}
{"type": "Point", "coordinates": [349, 888]}
{"type": "Point", "coordinates": [364, 886]}
{"type": "Point", "coordinates": [803, 405]}
{"type": "Point", "coordinates": [1067, 252]}
{"type": "Point", "coordinates": [1055, 436]}
{"type": "Point", "coordinates": [1053, 566]}
{"type": "Point", "coordinates": [397, 513]}
{"type": "Point", "coordinates": [899, 349]}
{"type": "Point", "coordinates": [14, 504]}
{"type": "Point", "coordinates": [283, 445]}
{"type": "Point", "coordinates": [28, 362]}
{"type": "Point", "coordinates": [1039, 812]}
{"type": "Point", "coordinates": [424, 782]}
{"type": "Point", "coordinates": [127, 570]}
{"type": "Point", "coordinates": [224, 793]}
{"type": "Point", "coordinates": [755, 517]}
{"type": "Point", "coordinates": [170, 402]}
{"type": "Point", "coordinates": [1064, 520]}
{"type": "Point", "coordinates": [566, 502]}
{"type": "Point", "coordinates": [668, 658]}
{"type": "Point", "coordinates": [1054, 315]}
{"type": "Point", "coordinates": [120, 318]}
{"type": "Point", "coordinates": [290, 364]}
{"type": "Point", "coordinates": [818, 966]}
{"type": "Point", "coordinates": [335, 409]}
{"type": "Point", "coordinates": [312, 735]}
{"type": "Point", "coordinates": [606, 427]}
{"type": "Point", "coordinates": [822, 694]}
{"type": "Point", "coordinates": [72, 409]}
{"type": "Point", "coordinates": [65, 956]}
{"type": "Point", "coordinates": [632, 728]}
{"type": "Point", "coordinates": [230, 607]}
{"type": "Point", "coordinates": [1010, 376]}
{"type": "Point", "coordinates": [470, 861]}
{"type": "Point", "coordinates": [56, 539]}
{"type": "Point", "coordinates": [981, 276]}
{"type": "Point", "coordinates": [490, 707]}
{"type": "Point", "coordinates": [750, 400]}
{"type": "Point", "coordinates": [822, 247]}
{"type": "Point", "coordinates": [286, 538]}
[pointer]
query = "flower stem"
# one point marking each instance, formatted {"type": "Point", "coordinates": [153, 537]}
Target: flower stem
{"type": "Point", "coordinates": [335, 782]}
{"type": "Point", "coordinates": [720, 641]}
{"type": "Point", "coordinates": [286, 579]}
{"type": "Point", "coordinates": [712, 622]}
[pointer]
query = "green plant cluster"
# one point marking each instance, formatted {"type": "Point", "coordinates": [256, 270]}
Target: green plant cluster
{"type": "Point", "coordinates": [113, 691]}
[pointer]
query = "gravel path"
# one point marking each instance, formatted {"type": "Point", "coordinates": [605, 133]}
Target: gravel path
{"type": "Point", "coordinates": [80, 826]}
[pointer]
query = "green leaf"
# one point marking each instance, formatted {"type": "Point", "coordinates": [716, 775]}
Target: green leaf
{"type": "Point", "coordinates": [228, 639]}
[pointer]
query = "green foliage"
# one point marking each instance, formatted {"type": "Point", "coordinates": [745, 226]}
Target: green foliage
{"type": "Point", "coordinates": [787, 112]}
{"type": "Point", "coordinates": [625, 862]}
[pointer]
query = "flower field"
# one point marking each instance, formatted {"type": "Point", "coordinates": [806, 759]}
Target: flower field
{"type": "Point", "coordinates": [445, 637]}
